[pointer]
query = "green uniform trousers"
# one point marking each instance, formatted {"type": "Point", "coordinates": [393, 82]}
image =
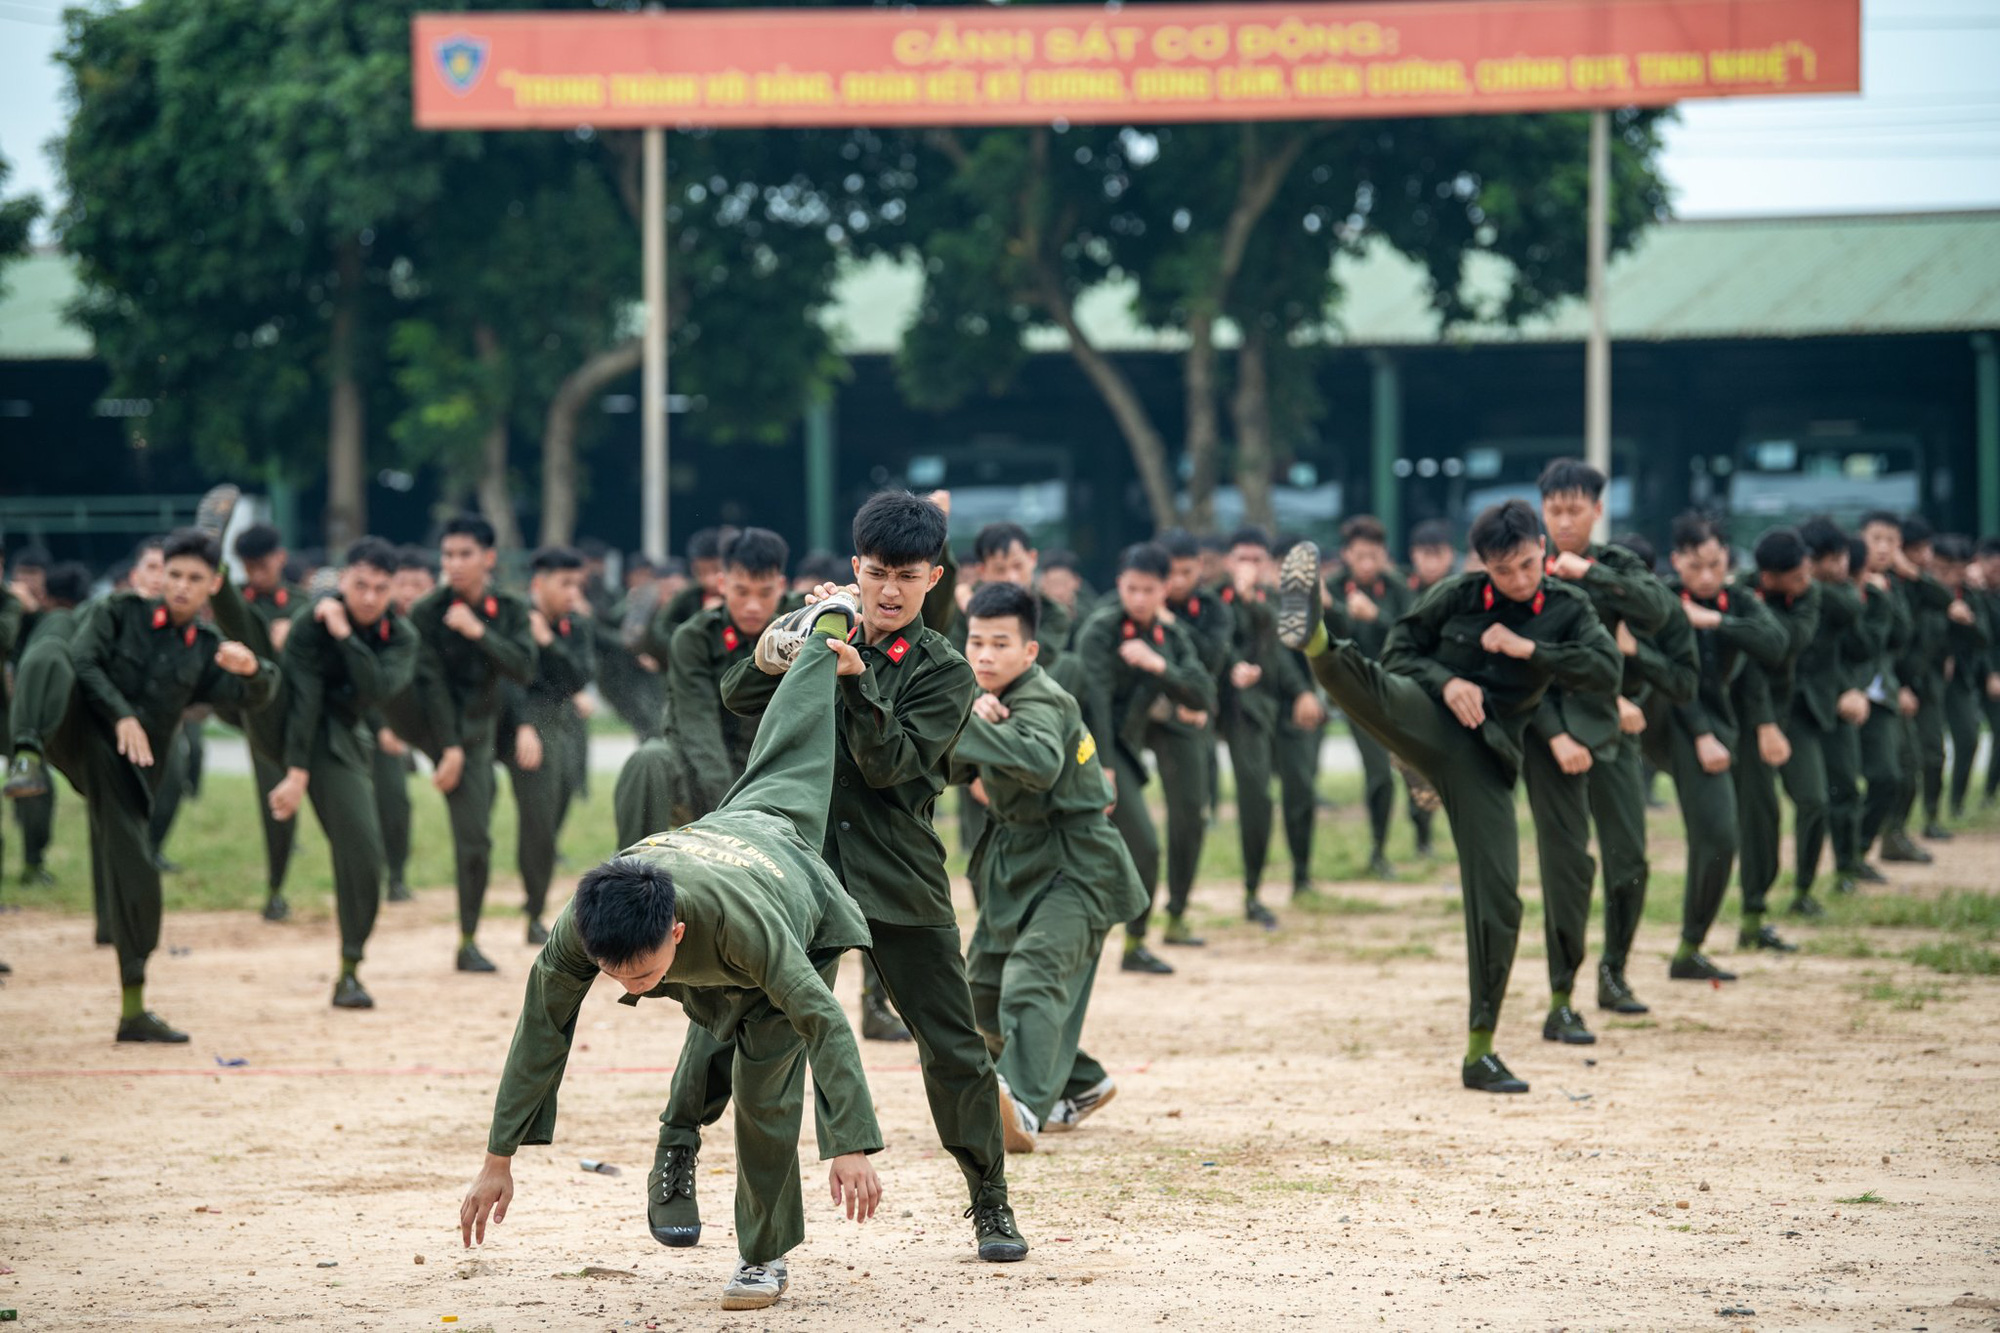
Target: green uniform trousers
{"type": "Point", "coordinates": [1888, 764]}
{"type": "Point", "coordinates": [1928, 731]}
{"type": "Point", "coordinates": [1182, 759]}
{"type": "Point", "coordinates": [1961, 723]}
{"type": "Point", "coordinates": [278, 833]}
{"type": "Point", "coordinates": [1030, 1001]}
{"type": "Point", "coordinates": [1295, 751]}
{"type": "Point", "coordinates": [470, 808]}
{"type": "Point", "coordinates": [36, 817]}
{"type": "Point", "coordinates": [971, 824]}
{"type": "Point", "coordinates": [1807, 783]}
{"type": "Point", "coordinates": [1708, 807]}
{"type": "Point", "coordinates": [924, 975]}
{"type": "Point", "coordinates": [1559, 805]}
{"type": "Point", "coordinates": [173, 786]}
{"type": "Point", "coordinates": [1843, 795]}
{"type": "Point", "coordinates": [1378, 786]}
{"type": "Point", "coordinates": [1250, 757]}
{"type": "Point", "coordinates": [651, 793]}
{"type": "Point", "coordinates": [1618, 809]}
{"type": "Point", "coordinates": [392, 812]}
{"type": "Point", "coordinates": [1759, 825]}
{"type": "Point", "coordinates": [542, 799]}
{"type": "Point", "coordinates": [343, 797]}
{"type": "Point", "coordinates": [1478, 796]}
{"type": "Point", "coordinates": [1991, 708]}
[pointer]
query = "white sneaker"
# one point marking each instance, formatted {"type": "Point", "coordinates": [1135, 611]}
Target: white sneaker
{"type": "Point", "coordinates": [785, 638]}
{"type": "Point", "coordinates": [1070, 1112]}
{"type": "Point", "coordinates": [1018, 1126]}
{"type": "Point", "coordinates": [755, 1286]}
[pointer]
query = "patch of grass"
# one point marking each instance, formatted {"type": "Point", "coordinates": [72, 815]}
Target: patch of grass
{"type": "Point", "coordinates": [1335, 904]}
{"type": "Point", "coordinates": [1633, 1024]}
{"type": "Point", "coordinates": [1958, 958]}
{"type": "Point", "coordinates": [1907, 998]}
{"type": "Point", "coordinates": [1869, 1197]}
{"type": "Point", "coordinates": [1390, 952]}
{"type": "Point", "coordinates": [1959, 911]}
{"type": "Point", "coordinates": [1844, 945]}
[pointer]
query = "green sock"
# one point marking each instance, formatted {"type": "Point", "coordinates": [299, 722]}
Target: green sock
{"type": "Point", "coordinates": [1319, 642]}
{"type": "Point", "coordinates": [465, 941]}
{"type": "Point", "coordinates": [1132, 942]}
{"type": "Point", "coordinates": [348, 966]}
{"type": "Point", "coordinates": [1558, 999]}
{"type": "Point", "coordinates": [1752, 922]}
{"type": "Point", "coordinates": [834, 627]}
{"type": "Point", "coordinates": [1684, 952]}
{"type": "Point", "coordinates": [1479, 1045]}
{"type": "Point", "coordinates": [134, 1005]}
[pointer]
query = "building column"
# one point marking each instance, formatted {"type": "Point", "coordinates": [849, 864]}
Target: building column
{"type": "Point", "coordinates": [819, 448]}
{"type": "Point", "coordinates": [1386, 416]}
{"type": "Point", "coordinates": [1986, 450]}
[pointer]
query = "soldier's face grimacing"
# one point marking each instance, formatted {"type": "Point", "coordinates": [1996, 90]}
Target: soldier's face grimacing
{"type": "Point", "coordinates": [1141, 594]}
{"type": "Point", "coordinates": [366, 590]}
{"type": "Point", "coordinates": [1182, 576]}
{"type": "Point", "coordinates": [1517, 575]}
{"type": "Point", "coordinates": [999, 650]}
{"type": "Point", "coordinates": [186, 585]}
{"type": "Point", "coordinates": [892, 596]}
{"type": "Point", "coordinates": [752, 599]}
{"type": "Point", "coordinates": [644, 972]}
{"type": "Point", "coordinates": [1703, 569]}
{"type": "Point", "coordinates": [1365, 560]}
{"type": "Point", "coordinates": [1570, 517]}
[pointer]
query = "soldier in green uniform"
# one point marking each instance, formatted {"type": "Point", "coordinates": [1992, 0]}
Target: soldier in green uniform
{"type": "Point", "coordinates": [1139, 671]}
{"type": "Point", "coordinates": [1864, 650]}
{"type": "Point", "coordinates": [1968, 639]}
{"type": "Point", "coordinates": [343, 655]}
{"type": "Point", "coordinates": [1582, 765]}
{"type": "Point", "coordinates": [1263, 685]}
{"type": "Point", "coordinates": [267, 604]}
{"type": "Point", "coordinates": [1888, 740]}
{"type": "Point", "coordinates": [1295, 753]}
{"type": "Point", "coordinates": [703, 746]}
{"type": "Point", "coordinates": [704, 590]}
{"type": "Point", "coordinates": [540, 731]}
{"type": "Point", "coordinates": [737, 918]}
{"type": "Point", "coordinates": [1198, 607]}
{"type": "Point", "coordinates": [1058, 579]}
{"type": "Point", "coordinates": [1763, 698]}
{"type": "Point", "coordinates": [1696, 742]}
{"type": "Point", "coordinates": [472, 638]}
{"type": "Point", "coordinates": [1458, 684]}
{"type": "Point", "coordinates": [1054, 875]}
{"type": "Point", "coordinates": [1433, 559]}
{"type": "Point", "coordinates": [897, 722]}
{"type": "Point", "coordinates": [62, 590]}
{"type": "Point", "coordinates": [1923, 670]}
{"type": "Point", "coordinates": [102, 711]}
{"type": "Point", "coordinates": [1827, 706]}
{"type": "Point", "coordinates": [416, 575]}
{"type": "Point", "coordinates": [1987, 573]}
{"type": "Point", "coordinates": [1365, 598]}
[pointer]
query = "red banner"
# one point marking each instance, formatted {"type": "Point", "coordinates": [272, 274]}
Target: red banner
{"type": "Point", "coordinates": [1143, 62]}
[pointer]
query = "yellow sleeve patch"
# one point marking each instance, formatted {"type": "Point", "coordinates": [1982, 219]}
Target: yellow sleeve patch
{"type": "Point", "coordinates": [1086, 749]}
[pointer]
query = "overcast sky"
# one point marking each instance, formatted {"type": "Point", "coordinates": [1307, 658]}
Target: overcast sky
{"type": "Point", "coordinates": [1924, 133]}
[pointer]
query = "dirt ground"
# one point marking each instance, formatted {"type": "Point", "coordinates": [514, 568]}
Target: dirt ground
{"type": "Point", "coordinates": [1819, 1144]}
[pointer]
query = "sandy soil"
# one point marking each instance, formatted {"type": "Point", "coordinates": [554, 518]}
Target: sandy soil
{"type": "Point", "coordinates": [1289, 1148]}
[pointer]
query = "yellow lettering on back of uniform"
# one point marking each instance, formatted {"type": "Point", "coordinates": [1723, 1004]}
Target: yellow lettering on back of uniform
{"type": "Point", "coordinates": [1086, 749]}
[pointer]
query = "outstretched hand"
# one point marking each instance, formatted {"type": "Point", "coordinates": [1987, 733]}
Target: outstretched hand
{"type": "Point", "coordinates": [492, 1190]}
{"type": "Point", "coordinates": [851, 1178]}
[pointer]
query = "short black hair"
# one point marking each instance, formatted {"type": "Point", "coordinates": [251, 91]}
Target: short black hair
{"type": "Point", "coordinates": [757, 551]}
{"type": "Point", "coordinates": [997, 601]}
{"type": "Point", "coordinates": [1363, 528]}
{"type": "Point", "coordinates": [672, 567]}
{"type": "Point", "coordinates": [1145, 558]}
{"type": "Point", "coordinates": [1179, 544]}
{"type": "Point", "coordinates": [623, 909]}
{"type": "Point", "coordinates": [1062, 558]}
{"type": "Point", "coordinates": [1857, 554]}
{"type": "Point", "coordinates": [32, 557]}
{"type": "Point", "coordinates": [1430, 532]}
{"type": "Point", "coordinates": [1692, 529]}
{"type": "Point", "coordinates": [257, 541]}
{"type": "Point", "coordinates": [820, 567]}
{"type": "Point", "coordinates": [469, 525]}
{"type": "Point", "coordinates": [1504, 527]}
{"type": "Point", "coordinates": [67, 584]}
{"type": "Point", "coordinates": [705, 544]}
{"type": "Point", "coordinates": [1953, 548]}
{"type": "Point", "coordinates": [1571, 476]}
{"type": "Point", "coordinates": [1779, 551]}
{"type": "Point", "coordinates": [1251, 535]}
{"type": "Point", "coordinates": [592, 549]}
{"type": "Point", "coordinates": [145, 544]}
{"type": "Point", "coordinates": [415, 557]}
{"type": "Point", "coordinates": [552, 558]}
{"type": "Point", "coordinates": [898, 528]}
{"type": "Point", "coordinates": [374, 553]}
{"type": "Point", "coordinates": [1638, 545]}
{"type": "Point", "coordinates": [1874, 516]}
{"type": "Point", "coordinates": [1823, 537]}
{"type": "Point", "coordinates": [999, 538]}
{"type": "Point", "coordinates": [1916, 531]}
{"type": "Point", "coordinates": [193, 541]}
{"type": "Point", "coordinates": [1213, 543]}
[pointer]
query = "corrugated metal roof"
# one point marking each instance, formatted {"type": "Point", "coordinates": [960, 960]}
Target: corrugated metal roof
{"type": "Point", "coordinates": [32, 326]}
{"type": "Point", "coordinates": [1802, 277]}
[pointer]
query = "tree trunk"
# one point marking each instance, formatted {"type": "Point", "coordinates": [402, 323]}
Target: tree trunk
{"type": "Point", "coordinates": [346, 425]}
{"type": "Point", "coordinates": [1251, 409]}
{"type": "Point", "coordinates": [559, 432]}
{"type": "Point", "coordinates": [1204, 433]}
{"type": "Point", "coordinates": [496, 501]}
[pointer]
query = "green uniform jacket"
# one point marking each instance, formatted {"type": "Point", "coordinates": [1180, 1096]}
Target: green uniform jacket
{"type": "Point", "coordinates": [1749, 632]}
{"type": "Point", "coordinates": [460, 682]}
{"type": "Point", "coordinates": [133, 661]}
{"type": "Point", "coordinates": [1920, 665]}
{"type": "Point", "coordinates": [1622, 590]}
{"type": "Point", "coordinates": [281, 603]}
{"type": "Point", "coordinates": [1895, 624]}
{"type": "Point", "coordinates": [760, 907]}
{"type": "Point", "coordinates": [1046, 825]}
{"type": "Point", "coordinates": [1119, 701]}
{"type": "Point", "coordinates": [1764, 690]}
{"type": "Point", "coordinates": [658, 640]}
{"type": "Point", "coordinates": [897, 723]}
{"type": "Point", "coordinates": [564, 667]}
{"type": "Point", "coordinates": [1966, 647]}
{"type": "Point", "coordinates": [713, 743]}
{"type": "Point", "coordinates": [1391, 594]}
{"type": "Point", "coordinates": [1256, 641]}
{"type": "Point", "coordinates": [12, 618]}
{"type": "Point", "coordinates": [1823, 671]}
{"type": "Point", "coordinates": [1667, 665]}
{"type": "Point", "coordinates": [337, 683]}
{"type": "Point", "coordinates": [1440, 639]}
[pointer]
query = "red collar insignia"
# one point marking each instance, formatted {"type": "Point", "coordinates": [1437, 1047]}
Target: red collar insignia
{"type": "Point", "coordinates": [1130, 631]}
{"type": "Point", "coordinates": [1229, 593]}
{"type": "Point", "coordinates": [1159, 634]}
{"type": "Point", "coordinates": [562, 627]}
{"type": "Point", "coordinates": [1194, 607]}
{"type": "Point", "coordinates": [281, 597]}
{"type": "Point", "coordinates": [159, 617]}
{"type": "Point", "coordinates": [1413, 582]}
{"type": "Point", "coordinates": [382, 629]}
{"type": "Point", "coordinates": [898, 650]}
{"type": "Point", "coordinates": [492, 608]}
{"type": "Point", "coordinates": [1721, 599]}
{"type": "Point", "coordinates": [1534, 607]}
{"type": "Point", "coordinates": [249, 593]}
{"type": "Point", "coordinates": [730, 638]}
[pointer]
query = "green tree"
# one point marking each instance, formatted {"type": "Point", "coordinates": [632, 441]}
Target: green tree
{"type": "Point", "coordinates": [17, 220]}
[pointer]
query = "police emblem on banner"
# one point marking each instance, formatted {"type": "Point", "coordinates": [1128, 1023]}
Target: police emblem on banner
{"type": "Point", "coordinates": [461, 60]}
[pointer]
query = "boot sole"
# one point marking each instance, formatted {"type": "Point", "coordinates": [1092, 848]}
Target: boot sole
{"type": "Point", "coordinates": [677, 1238]}
{"type": "Point", "coordinates": [1016, 1139]}
{"type": "Point", "coordinates": [1298, 585]}
{"type": "Point", "coordinates": [1085, 1113]}
{"type": "Point", "coordinates": [757, 1302]}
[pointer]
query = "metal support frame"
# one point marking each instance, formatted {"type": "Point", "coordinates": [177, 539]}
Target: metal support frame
{"type": "Point", "coordinates": [1597, 349]}
{"type": "Point", "coordinates": [653, 366]}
